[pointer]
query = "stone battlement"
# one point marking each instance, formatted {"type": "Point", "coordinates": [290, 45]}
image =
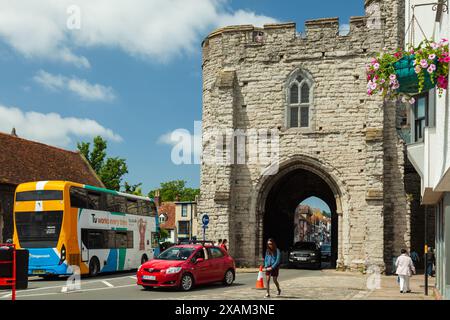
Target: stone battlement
{"type": "Point", "coordinates": [325, 26]}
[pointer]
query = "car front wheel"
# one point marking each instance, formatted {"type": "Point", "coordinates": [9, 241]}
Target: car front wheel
{"type": "Point", "coordinates": [187, 282]}
{"type": "Point", "coordinates": [228, 278]}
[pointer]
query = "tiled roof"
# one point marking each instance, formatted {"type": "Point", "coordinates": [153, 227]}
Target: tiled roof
{"type": "Point", "coordinates": [168, 208]}
{"type": "Point", "coordinates": [24, 160]}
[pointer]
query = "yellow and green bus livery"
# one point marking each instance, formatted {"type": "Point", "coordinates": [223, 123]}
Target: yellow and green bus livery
{"type": "Point", "coordinates": [65, 224]}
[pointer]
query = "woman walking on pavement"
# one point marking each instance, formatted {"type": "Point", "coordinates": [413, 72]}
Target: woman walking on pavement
{"type": "Point", "coordinates": [272, 265]}
{"type": "Point", "coordinates": [405, 269]}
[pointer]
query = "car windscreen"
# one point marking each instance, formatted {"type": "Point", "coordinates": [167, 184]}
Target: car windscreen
{"type": "Point", "coordinates": [176, 253]}
{"type": "Point", "coordinates": [39, 195]}
{"type": "Point", "coordinates": [325, 248]}
{"type": "Point", "coordinates": [305, 246]}
{"type": "Point", "coordinates": [38, 229]}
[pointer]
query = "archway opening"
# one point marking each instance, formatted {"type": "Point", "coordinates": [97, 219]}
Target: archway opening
{"type": "Point", "coordinates": [281, 212]}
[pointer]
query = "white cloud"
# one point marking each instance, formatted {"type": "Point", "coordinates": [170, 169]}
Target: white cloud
{"type": "Point", "coordinates": [82, 88]}
{"type": "Point", "coordinates": [51, 128]}
{"type": "Point", "coordinates": [151, 29]}
{"type": "Point", "coordinates": [186, 147]}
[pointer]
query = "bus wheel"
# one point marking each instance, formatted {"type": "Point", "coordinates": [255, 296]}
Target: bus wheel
{"type": "Point", "coordinates": [144, 259]}
{"type": "Point", "coordinates": [94, 267]}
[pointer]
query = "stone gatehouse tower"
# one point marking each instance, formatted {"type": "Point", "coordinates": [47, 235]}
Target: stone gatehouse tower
{"type": "Point", "coordinates": [335, 142]}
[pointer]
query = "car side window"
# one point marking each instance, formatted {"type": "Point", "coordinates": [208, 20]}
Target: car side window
{"type": "Point", "coordinates": [216, 253]}
{"type": "Point", "coordinates": [199, 254]}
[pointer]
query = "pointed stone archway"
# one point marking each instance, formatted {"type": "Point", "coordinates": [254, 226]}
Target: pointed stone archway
{"type": "Point", "coordinates": [279, 195]}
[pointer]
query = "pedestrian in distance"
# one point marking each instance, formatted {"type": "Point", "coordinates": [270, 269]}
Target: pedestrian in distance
{"type": "Point", "coordinates": [415, 257]}
{"type": "Point", "coordinates": [224, 244]}
{"type": "Point", "coordinates": [405, 269]}
{"type": "Point", "coordinates": [272, 265]}
{"type": "Point", "coordinates": [431, 259]}
{"type": "Point", "coordinates": [219, 243]}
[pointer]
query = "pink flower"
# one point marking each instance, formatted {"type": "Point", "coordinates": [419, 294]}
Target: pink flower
{"type": "Point", "coordinates": [392, 77]}
{"type": "Point", "coordinates": [412, 101]}
{"type": "Point", "coordinates": [418, 69]}
{"type": "Point", "coordinates": [432, 56]}
{"type": "Point", "coordinates": [446, 59]}
{"type": "Point", "coordinates": [424, 63]}
{"type": "Point", "coordinates": [376, 66]}
{"type": "Point", "coordinates": [430, 69]}
{"type": "Point", "coordinates": [369, 92]}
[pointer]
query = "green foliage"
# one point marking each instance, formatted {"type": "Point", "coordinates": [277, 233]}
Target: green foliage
{"type": "Point", "coordinates": [171, 189]}
{"type": "Point", "coordinates": [135, 189]}
{"type": "Point", "coordinates": [109, 170]}
{"type": "Point", "coordinates": [163, 234]}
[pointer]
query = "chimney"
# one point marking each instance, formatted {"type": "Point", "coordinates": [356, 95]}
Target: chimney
{"type": "Point", "coordinates": [157, 199]}
{"type": "Point", "coordinates": [13, 132]}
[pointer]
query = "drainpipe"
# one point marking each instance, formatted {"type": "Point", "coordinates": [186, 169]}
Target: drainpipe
{"type": "Point", "coordinates": [426, 251]}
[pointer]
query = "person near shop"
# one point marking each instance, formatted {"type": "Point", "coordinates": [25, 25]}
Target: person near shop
{"type": "Point", "coordinates": [405, 269]}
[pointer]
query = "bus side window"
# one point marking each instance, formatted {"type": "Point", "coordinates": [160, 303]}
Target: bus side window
{"type": "Point", "coordinates": [110, 203]}
{"type": "Point", "coordinates": [111, 239]}
{"type": "Point", "coordinates": [121, 204]}
{"type": "Point", "coordinates": [132, 206]}
{"type": "Point", "coordinates": [96, 239]}
{"type": "Point", "coordinates": [93, 201]}
{"type": "Point", "coordinates": [130, 239]}
{"type": "Point", "coordinates": [141, 207]}
{"type": "Point", "coordinates": [77, 197]}
{"type": "Point", "coordinates": [121, 239]}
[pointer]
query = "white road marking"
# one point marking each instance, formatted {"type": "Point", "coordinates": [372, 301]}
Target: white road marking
{"type": "Point", "coordinates": [108, 284]}
{"type": "Point", "coordinates": [6, 296]}
{"type": "Point", "coordinates": [83, 290]}
{"type": "Point", "coordinates": [133, 277]}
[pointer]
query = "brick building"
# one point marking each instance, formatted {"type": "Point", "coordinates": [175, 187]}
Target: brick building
{"type": "Point", "coordinates": [23, 160]}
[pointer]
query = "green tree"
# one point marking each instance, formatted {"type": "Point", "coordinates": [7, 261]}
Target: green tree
{"type": "Point", "coordinates": [109, 170]}
{"type": "Point", "coordinates": [163, 234]}
{"type": "Point", "coordinates": [135, 189]}
{"type": "Point", "coordinates": [171, 189]}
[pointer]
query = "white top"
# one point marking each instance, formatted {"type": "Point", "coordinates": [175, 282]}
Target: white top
{"type": "Point", "coordinates": [405, 265]}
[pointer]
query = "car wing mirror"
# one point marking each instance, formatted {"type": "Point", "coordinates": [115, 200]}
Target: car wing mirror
{"type": "Point", "coordinates": [199, 260]}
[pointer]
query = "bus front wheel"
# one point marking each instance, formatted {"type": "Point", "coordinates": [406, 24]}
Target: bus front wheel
{"type": "Point", "coordinates": [94, 267]}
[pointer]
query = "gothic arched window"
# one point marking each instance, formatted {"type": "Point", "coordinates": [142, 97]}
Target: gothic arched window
{"type": "Point", "coordinates": [299, 101]}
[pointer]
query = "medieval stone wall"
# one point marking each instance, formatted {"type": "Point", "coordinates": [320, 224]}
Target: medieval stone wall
{"type": "Point", "coordinates": [350, 138]}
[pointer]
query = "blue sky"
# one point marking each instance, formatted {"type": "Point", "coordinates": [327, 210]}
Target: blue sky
{"type": "Point", "coordinates": [131, 72]}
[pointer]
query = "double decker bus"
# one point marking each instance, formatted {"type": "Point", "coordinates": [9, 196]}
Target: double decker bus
{"type": "Point", "coordinates": [65, 224]}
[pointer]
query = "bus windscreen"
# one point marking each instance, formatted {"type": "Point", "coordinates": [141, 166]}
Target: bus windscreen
{"type": "Point", "coordinates": [38, 229]}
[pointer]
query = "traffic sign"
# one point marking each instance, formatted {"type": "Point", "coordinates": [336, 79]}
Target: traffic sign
{"type": "Point", "coordinates": [205, 220]}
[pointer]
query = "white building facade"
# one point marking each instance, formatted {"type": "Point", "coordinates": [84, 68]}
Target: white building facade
{"type": "Point", "coordinates": [430, 135]}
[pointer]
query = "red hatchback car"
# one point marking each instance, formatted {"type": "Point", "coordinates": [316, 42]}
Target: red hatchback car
{"type": "Point", "coordinates": [184, 266]}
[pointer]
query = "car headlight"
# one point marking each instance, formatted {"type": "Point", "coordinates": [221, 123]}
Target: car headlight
{"type": "Point", "coordinates": [313, 254]}
{"type": "Point", "coordinates": [173, 270]}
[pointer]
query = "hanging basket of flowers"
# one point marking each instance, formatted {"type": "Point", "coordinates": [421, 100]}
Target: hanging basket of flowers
{"type": "Point", "coordinates": [408, 77]}
{"type": "Point", "coordinates": [406, 73]}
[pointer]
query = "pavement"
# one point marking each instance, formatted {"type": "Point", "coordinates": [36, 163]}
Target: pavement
{"type": "Point", "coordinates": [296, 284]}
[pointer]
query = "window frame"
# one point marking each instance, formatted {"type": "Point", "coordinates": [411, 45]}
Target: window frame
{"type": "Point", "coordinates": [292, 81]}
{"type": "Point", "coordinates": [419, 134]}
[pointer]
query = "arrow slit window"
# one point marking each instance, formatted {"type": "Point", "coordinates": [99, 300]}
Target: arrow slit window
{"type": "Point", "coordinates": [299, 101]}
